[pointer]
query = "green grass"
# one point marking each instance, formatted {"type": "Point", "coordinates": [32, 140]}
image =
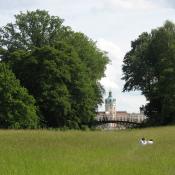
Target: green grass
{"type": "Point", "coordinates": [87, 153]}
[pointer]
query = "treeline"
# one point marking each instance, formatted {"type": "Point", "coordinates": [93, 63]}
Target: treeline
{"type": "Point", "coordinates": [49, 74]}
{"type": "Point", "coordinates": [150, 67]}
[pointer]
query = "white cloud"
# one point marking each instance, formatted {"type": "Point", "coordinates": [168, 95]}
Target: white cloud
{"type": "Point", "coordinates": [125, 101]}
{"type": "Point", "coordinates": [17, 4]}
{"type": "Point", "coordinates": [113, 71]}
{"type": "Point", "coordinates": [110, 47]}
{"type": "Point", "coordinates": [132, 4]}
{"type": "Point", "coordinates": [108, 83]}
{"type": "Point", "coordinates": [130, 101]}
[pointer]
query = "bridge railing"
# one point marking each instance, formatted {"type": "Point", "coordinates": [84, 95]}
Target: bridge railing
{"type": "Point", "coordinates": [129, 118]}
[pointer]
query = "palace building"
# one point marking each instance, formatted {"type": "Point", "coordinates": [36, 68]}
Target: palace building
{"type": "Point", "coordinates": [112, 114]}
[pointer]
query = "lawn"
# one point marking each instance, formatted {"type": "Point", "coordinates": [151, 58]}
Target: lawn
{"type": "Point", "coordinates": [87, 152]}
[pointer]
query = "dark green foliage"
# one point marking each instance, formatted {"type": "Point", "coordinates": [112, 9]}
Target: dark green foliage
{"type": "Point", "coordinates": [94, 59]}
{"type": "Point", "coordinates": [150, 67]}
{"type": "Point", "coordinates": [17, 107]}
{"type": "Point", "coordinates": [59, 67]}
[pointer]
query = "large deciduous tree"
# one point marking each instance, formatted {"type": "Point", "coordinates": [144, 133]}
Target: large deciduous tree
{"type": "Point", "coordinates": [59, 67]}
{"type": "Point", "coordinates": [150, 67]}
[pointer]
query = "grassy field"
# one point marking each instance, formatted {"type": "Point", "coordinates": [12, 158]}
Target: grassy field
{"type": "Point", "coordinates": [87, 153]}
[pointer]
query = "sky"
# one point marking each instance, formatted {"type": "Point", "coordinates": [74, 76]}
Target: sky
{"type": "Point", "coordinates": [113, 24]}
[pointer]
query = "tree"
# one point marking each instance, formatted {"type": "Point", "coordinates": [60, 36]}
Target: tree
{"type": "Point", "coordinates": [32, 29]}
{"type": "Point", "coordinates": [56, 78]}
{"type": "Point", "coordinates": [18, 108]}
{"type": "Point", "coordinates": [59, 67]}
{"type": "Point", "coordinates": [150, 67]}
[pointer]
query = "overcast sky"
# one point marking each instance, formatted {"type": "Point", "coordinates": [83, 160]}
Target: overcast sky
{"type": "Point", "coordinates": [112, 23]}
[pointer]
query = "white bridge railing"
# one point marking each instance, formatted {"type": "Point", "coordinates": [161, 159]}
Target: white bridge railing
{"type": "Point", "coordinates": [131, 118]}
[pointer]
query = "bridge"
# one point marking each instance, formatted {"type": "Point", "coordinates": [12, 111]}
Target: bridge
{"type": "Point", "coordinates": [129, 121]}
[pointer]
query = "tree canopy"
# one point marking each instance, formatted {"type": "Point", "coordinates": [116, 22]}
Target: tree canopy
{"type": "Point", "coordinates": [150, 67]}
{"type": "Point", "coordinates": [18, 108]}
{"type": "Point", "coordinates": [60, 68]}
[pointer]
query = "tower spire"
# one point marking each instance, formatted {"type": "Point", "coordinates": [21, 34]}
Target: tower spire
{"type": "Point", "coordinates": [110, 93]}
{"type": "Point", "coordinates": [110, 104]}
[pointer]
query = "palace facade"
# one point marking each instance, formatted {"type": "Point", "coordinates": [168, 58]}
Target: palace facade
{"type": "Point", "coordinates": [111, 113]}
